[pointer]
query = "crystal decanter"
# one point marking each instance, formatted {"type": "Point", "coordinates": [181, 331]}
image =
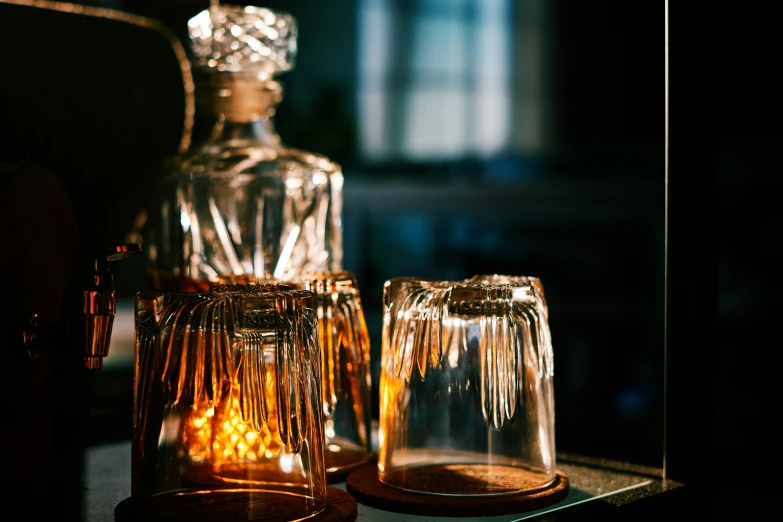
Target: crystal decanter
{"type": "Point", "coordinates": [244, 205]}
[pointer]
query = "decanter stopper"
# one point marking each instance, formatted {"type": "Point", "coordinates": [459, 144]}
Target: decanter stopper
{"type": "Point", "coordinates": [249, 41]}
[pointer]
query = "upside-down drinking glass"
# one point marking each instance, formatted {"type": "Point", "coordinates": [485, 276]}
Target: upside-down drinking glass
{"type": "Point", "coordinates": [467, 404]}
{"type": "Point", "coordinates": [345, 367]}
{"type": "Point", "coordinates": [345, 362]}
{"type": "Point", "coordinates": [226, 406]}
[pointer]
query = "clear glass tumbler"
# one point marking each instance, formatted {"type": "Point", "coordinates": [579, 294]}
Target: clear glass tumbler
{"type": "Point", "coordinates": [467, 402]}
{"type": "Point", "coordinates": [345, 362]}
{"type": "Point", "coordinates": [226, 406]}
{"type": "Point", "coordinates": [345, 367]}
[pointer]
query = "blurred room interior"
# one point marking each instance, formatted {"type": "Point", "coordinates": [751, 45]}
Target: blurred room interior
{"type": "Point", "coordinates": [484, 136]}
{"type": "Point", "coordinates": [476, 136]}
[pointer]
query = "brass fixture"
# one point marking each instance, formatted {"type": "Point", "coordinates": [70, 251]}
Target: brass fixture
{"type": "Point", "coordinates": [100, 305]}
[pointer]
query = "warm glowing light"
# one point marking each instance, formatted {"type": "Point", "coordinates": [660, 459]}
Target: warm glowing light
{"type": "Point", "coordinates": [222, 437]}
{"type": "Point", "coordinates": [319, 178]}
{"type": "Point", "coordinates": [286, 463]}
{"type": "Point", "coordinates": [293, 183]}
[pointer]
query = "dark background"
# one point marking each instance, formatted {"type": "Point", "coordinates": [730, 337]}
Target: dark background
{"type": "Point", "coordinates": [573, 193]}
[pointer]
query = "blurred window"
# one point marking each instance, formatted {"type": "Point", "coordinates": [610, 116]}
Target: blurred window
{"type": "Point", "coordinates": [434, 78]}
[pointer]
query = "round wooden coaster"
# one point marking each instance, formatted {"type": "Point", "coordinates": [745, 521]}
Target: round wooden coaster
{"type": "Point", "coordinates": [365, 486]}
{"type": "Point", "coordinates": [217, 507]}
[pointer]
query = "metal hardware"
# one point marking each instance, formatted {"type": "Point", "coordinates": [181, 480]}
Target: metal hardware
{"type": "Point", "coordinates": [100, 304]}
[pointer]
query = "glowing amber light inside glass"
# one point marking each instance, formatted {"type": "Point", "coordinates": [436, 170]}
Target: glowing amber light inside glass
{"type": "Point", "coordinates": [225, 438]}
